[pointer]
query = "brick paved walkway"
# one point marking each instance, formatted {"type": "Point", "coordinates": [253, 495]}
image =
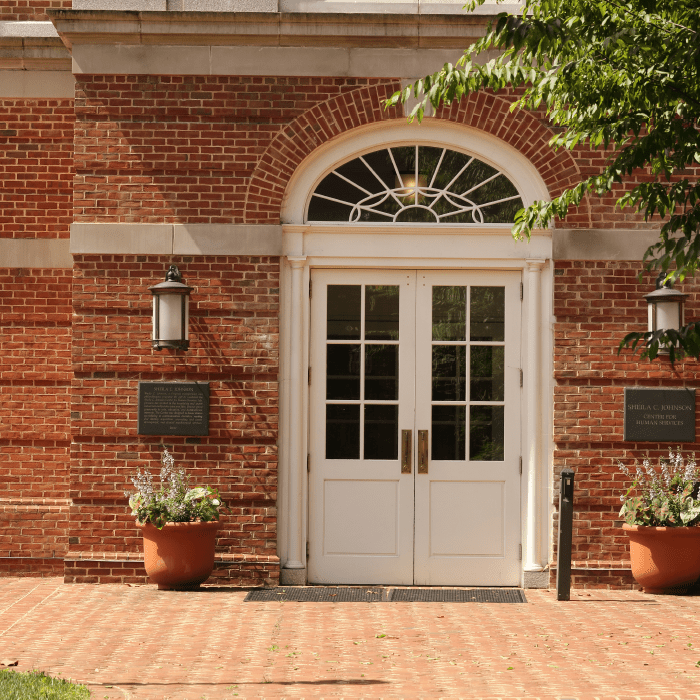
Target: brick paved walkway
{"type": "Point", "coordinates": [138, 643]}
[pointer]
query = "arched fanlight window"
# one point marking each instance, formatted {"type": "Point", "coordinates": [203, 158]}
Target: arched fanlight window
{"type": "Point", "coordinates": [415, 184]}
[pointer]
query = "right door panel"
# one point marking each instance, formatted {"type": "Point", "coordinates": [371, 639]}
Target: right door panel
{"type": "Point", "coordinates": [467, 488]}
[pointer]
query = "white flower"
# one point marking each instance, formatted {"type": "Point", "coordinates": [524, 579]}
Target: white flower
{"type": "Point", "coordinates": [215, 501]}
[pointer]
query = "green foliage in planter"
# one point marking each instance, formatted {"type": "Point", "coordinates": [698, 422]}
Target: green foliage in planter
{"type": "Point", "coordinates": [174, 500]}
{"type": "Point", "coordinates": [36, 685]}
{"type": "Point", "coordinates": [667, 497]}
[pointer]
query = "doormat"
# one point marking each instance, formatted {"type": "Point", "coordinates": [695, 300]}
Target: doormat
{"type": "Point", "coordinates": [361, 594]}
{"type": "Point", "coordinates": [317, 594]}
{"type": "Point", "coordinates": [457, 595]}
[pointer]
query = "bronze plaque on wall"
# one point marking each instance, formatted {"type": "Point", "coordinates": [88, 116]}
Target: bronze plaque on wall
{"type": "Point", "coordinates": [659, 415]}
{"type": "Point", "coordinates": [173, 408]}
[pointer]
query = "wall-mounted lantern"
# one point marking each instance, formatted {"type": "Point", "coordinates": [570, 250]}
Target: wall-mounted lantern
{"type": "Point", "coordinates": [171, 312]}
{"type": "Point", "coordinates": [666, 306]}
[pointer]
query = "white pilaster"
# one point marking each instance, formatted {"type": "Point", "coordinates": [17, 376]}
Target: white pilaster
{"type": "Point", "coordinates": [532, 555]}
{"type": "Point", "coordinates": [295, 551]}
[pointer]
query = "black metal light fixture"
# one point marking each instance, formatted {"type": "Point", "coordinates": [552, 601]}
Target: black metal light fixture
{"type": "Point", "coordinates": [666, 306]}
{"type": "Point", "coordinates": [171, 312]}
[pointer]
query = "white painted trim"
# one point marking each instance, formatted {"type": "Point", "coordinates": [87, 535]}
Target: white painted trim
{"type": "Point", "coordinates": [296, 558]}
{"type": "Point", "coordinates": [537, 311]}
{"type": "Point", "coordinates": [176, 239]}
{"type": "Point", "coordinates": [318, 246]}
{"type": "Point", "coordinates": [344, 245]}
{"type": "Point", "coordinates": [432, 132]}
{"type": "Point", "coordinates": [35, 253]}
{"type": "Point", "coordinates": [533, 466]}
{"type": "Point", "coordinates": [40, 84]}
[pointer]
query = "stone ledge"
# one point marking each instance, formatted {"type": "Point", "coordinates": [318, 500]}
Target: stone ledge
{"type": "Point", "coordinates": [33, 53]}
{"type": "Point", "coordinates": [325, 6]}
{"type": "Point", "coordinates": [602, 244]}
{"type": "Point", "coordinates": [176, 239]}
{"type": "Point", "coordinates": [42, 253]}
{"type": "Point", "coordinates": [338, 30]}
{"type": "Point", "coordinates": [28, 29]}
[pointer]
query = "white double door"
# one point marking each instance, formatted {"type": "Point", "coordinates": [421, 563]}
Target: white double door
{"type": "Point", "coordinates": [415, 428]}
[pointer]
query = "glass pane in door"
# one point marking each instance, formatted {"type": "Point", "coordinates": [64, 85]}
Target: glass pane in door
{"type": "Point", "coordinates": [343, 320]}
{"type": "Point", "coordinates": [449, 313]}
{"type": "Point", "coordinates": [468, 380]}
{"type": "Point", "coordinates": [381, 312]}
{"type": "Point", "coordinates": [487, 314]}
{"type": "Point", "coordinates": [343, 424]}
{"type": "Point", "coordinates": [362, 378]}
{"type": "Point", "coordinates": [486, 433]}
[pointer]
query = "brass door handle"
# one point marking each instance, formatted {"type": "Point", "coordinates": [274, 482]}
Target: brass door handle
{"type": "Point", "coordinates": [422, 451]}
{"type": "Point", "coordinates": [406, 451]}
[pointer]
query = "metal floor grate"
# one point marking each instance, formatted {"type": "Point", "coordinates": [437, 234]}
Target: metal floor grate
{"type": "Point", "coordinates": [362, 594]}
{"type": "Point", "coordinates": [457, 595]}
{"type": "Point", "coordinates": [317, 594]}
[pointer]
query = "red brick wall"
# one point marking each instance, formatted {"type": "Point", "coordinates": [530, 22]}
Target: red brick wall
{"type": "Point", "coordinates": [36, 147]}
{"type": "Point", "coordinates": [36, 161]}
{"type": "Point", "coordinates": [35, 375]}
{"type": "Point", "coordinates": [30, 10]}
{"type": "Point", "coordinates": [164, 149]}
{"type": "Point", "coordinates": [596, 304]}
{"type": "Point", "coordinates": [233, 345]}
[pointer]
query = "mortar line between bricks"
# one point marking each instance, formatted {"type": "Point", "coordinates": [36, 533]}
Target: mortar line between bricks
{"type": "Point", "coordinates": [43, 600]}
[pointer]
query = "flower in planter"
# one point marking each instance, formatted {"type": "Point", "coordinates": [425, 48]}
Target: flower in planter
{"type": "Point", "coordinates": [174, 499]}
{"type": "Point", "coordinates": [666, 497]}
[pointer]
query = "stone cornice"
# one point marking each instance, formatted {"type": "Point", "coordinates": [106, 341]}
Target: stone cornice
{"type": "Point", "coordinates": [33, 53]}
{"type": "Point", "coordinates": [267, 29]}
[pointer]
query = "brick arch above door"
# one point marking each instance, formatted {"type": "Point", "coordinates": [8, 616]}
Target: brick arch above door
{"type": "Point", "coordinates": [330, 120]}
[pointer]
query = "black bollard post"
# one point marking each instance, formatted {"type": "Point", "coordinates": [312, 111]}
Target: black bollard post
{"type": "Point", "coordinates": [566, 522]}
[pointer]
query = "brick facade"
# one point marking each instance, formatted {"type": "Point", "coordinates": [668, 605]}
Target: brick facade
{"type": "Point", "coordinates": [30, 10]}
{"type": "Point", "coordinates": [36, 156]}
{"type": "Point", "coordinates": [596, 304]}
{"type": "Point", "coordinates": [196, 149]}
{"type": "Point", "coordinates": [233, 346]}
{"type": "Point", "coordinates": [172, 149]}
{"type": "Point", "coordinates": [35, 378]}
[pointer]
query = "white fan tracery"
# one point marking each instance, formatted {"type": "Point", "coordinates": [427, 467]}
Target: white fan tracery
{"type": "Point", "coordinates": [413, 197]}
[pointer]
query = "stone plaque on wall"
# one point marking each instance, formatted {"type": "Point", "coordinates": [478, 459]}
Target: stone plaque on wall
{"type": "Point", "coordinates": [659, 415]}
{"type": "Point", "coordinates": [173, 408]}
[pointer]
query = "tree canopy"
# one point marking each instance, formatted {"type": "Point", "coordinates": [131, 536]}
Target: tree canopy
{"type": "Point", "coordinates": [622, 76]}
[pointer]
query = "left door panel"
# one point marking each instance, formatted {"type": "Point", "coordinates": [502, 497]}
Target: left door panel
{"type": "Point", "coordinates": [362, 396]}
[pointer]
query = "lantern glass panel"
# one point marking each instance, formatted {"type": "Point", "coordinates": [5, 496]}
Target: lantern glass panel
{"type": "Point", "coordinates": [170, 317]}
{"type": "Point", "coordinates": [668, 315]}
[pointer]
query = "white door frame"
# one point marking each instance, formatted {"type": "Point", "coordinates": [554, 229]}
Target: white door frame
{"type": "Point", "coordinates": [414, 246]}
{"type": "Point", "coordinates": [364, 527]}
{"type": "Point", "coordinates": [536, 343]}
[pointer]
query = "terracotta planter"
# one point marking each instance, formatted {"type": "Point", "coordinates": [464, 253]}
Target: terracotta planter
{"type": "Point", "coordinates": [181, 555]}
{"type": "Point", "coordinates": [664, 559]}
